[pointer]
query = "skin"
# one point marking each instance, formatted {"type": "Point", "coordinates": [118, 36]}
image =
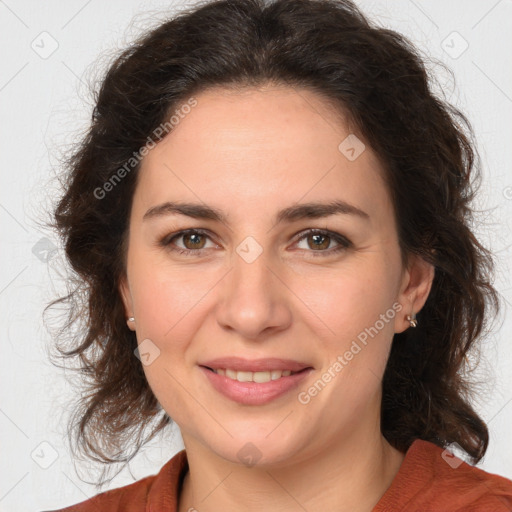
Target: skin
{"type": "Point", "coordinates": [251, 154]}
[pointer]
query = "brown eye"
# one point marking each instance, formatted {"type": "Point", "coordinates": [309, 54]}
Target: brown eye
{"type": "Point", "coordinates": [320, 242]}
{"type": "Point", "coordinates": [189, 242]}
{"type": "Point", "coordinates": [193, 240]}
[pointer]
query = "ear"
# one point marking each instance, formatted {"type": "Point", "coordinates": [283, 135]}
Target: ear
{"type": "Point", "coordinates": [415, 287]}
{"type": "Point", "coordinates": [124, 290]}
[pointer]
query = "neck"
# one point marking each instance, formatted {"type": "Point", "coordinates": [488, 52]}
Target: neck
{"type": "Point", "coordinates": [351, 474]}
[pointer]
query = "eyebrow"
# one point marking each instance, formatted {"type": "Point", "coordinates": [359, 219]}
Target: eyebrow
{"type": "Point", "coordinates": [312, 210]}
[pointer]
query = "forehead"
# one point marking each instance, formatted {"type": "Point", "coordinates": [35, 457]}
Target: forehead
{"type": "Point", "coordinates": [260, 144]}
{"type": "Point", "coordinates": [278, 116]}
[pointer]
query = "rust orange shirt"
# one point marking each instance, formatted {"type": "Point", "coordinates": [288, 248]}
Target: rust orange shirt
{"type": "Point", "coordinates": [425, 482]}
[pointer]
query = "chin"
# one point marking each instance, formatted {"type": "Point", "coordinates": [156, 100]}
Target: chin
{"type": "Point", "coordinates": [255, 450]}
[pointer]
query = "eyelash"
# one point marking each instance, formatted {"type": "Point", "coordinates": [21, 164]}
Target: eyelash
{"type": "Point", "coordinates": [343, 242]}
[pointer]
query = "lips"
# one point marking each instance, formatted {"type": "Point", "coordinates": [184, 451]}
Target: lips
{"type": "Point", "coordinates": [254, 365]}
{"type": "Point", "coordinates": [258, 391]}
{"type": "Point", "coordinates": [254, 381]}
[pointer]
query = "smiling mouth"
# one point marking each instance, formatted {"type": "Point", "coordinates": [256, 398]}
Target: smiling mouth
{"type": "Point", "coordinates": [258, 377]}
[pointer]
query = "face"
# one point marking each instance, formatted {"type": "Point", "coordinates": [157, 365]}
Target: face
{"type": "Point", "coordinates": [259, 276]}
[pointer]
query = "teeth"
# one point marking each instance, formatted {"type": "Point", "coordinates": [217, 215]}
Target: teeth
{"type": "Point", "coordinates": [259, 377]}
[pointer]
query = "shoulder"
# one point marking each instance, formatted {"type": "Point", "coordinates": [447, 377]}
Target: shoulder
{"type": "Point", "coordinates": [155, 492]}
{"type": "Point", "coordinates": [432, 479]}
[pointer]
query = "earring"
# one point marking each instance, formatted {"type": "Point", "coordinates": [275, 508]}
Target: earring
{"type": "Point", "coordinates": [131, 319]}
{"type": "Point", "coordinates": [412, 320]}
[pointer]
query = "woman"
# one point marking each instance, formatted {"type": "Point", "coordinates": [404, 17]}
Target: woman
{"type": "Point", "coordinates": [270, 218]}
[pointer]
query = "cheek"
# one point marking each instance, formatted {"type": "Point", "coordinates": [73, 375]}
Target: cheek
{"type": "Point", "coordinates": [343, 302]}
{"type": "Point", "coordinates": [166, 300]}
{"type": "Point", "coordinates": [353, 323]}
{"type": "Point", "coordinates": [168, 310]}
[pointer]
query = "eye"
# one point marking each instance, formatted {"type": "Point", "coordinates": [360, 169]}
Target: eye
{"type": "Point", "coordinates": [321, 242]}
{"type": "Point", "coordinates": [192, 239]}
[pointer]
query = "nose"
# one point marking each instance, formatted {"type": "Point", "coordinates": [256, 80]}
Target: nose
{"type": "Point", "coordinates": [254, 298]}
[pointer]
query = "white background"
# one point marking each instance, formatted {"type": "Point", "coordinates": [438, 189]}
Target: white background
{"type": "Point", "coordinates": [44, 104]}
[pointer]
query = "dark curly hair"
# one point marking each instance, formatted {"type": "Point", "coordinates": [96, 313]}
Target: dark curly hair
{"type": "Point", "coordinates": [379, 82]}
